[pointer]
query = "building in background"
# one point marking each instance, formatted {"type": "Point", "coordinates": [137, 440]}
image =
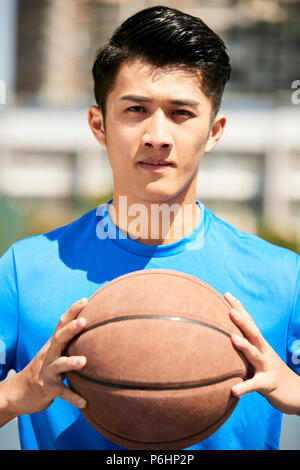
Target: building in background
{"type": "Point", "coordinates": [47, 152]}
{"type": "Point", "coordinates": [263, 38]}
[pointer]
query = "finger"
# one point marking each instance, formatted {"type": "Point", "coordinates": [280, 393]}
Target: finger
{"type": "Point", "coordinates": [234, 303]}
{"type": "Point", "coordinates": [68, 395]}
{"type": "Point", "coordinates": [251, 352]}
{"type": "Point", "coordinates": [71, 313]}
{"type": "Point", "coordinates": [65, 364]}
{"type": "Point", "coordinates": [245, 323]}
{"type": "Point", "coordinates": [248, 386]}
{"type": "Point", "coordinates": [63, 336]}
{"type": "Point", "coordinates": [248, 328]}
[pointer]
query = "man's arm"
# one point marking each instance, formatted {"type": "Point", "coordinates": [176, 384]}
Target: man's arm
{"type": "Point", "coordinates": [10, 393]}
{"type": "Point", "coordinates": [272, 378]}
{"type": "Point", "coordinates": [34, 388]}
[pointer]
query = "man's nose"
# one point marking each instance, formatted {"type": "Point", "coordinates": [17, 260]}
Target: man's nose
{"type": "Point", "coordinates": [156, 135]}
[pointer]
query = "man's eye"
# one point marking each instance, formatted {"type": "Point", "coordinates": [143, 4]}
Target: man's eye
{"type": "Point", "coordinates": [183, 112]}
{"type": "Point", "coordinates": [136, 109]}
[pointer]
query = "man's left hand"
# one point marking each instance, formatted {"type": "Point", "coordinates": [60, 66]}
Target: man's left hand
{"type": "Point", "coordinates": [272, 378]}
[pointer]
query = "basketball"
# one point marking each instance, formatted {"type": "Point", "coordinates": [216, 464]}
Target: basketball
{"type": "Point", "coordinates": [160, 362]}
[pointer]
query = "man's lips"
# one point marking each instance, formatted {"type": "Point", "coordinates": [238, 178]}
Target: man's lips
{"type": "Point", "coordinates": [158, 167]}
{"type": "Point", "coordinates": [157, 163]}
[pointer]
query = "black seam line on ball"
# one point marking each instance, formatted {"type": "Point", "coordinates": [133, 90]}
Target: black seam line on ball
{"type": "Point", "coordinates": [152, 317]}
{"type": "Point", "coordinates": [228, 410]}
{"type": "Point", "coordinates": [157, 387]}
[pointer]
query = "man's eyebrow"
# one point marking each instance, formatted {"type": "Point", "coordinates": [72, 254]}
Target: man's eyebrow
{"type": "Point", "coordinates": [192, 103]}
{"type": "Point", "coordinates": [136, 98]}
{"type": "Point", "coordinates": [143, 99]}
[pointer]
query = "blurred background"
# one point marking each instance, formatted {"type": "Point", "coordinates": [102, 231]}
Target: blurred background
{"type": "Point", "coordinates": [51, 168]}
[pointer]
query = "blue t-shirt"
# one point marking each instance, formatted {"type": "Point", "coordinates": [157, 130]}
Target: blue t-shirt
{"type": "Point", "coordinates": [41, 276]}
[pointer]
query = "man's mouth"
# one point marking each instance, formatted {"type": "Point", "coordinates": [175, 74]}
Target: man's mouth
{"type": "Point", "coordinates": [152, 163]}
{"type": "Point", "coordinates": [155, 166]}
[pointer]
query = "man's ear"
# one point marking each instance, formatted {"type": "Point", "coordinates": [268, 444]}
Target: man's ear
{"type": "Point", "coordinates": [215, 133]}
{"type": "Point", "coordinates": [96, 123]}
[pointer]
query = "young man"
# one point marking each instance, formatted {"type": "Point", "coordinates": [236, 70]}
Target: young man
{"type": "Point", "coordinates": [158, 86]}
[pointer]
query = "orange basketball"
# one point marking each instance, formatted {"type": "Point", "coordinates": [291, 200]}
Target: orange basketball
{"type": "Point", "coordinates": [160, 362]}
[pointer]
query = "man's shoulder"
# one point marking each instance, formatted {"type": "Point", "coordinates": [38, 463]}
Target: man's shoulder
{"type": "Point", "coordinates": [249, 244]}
{"type": "Point", "coordinates": [71, 234]}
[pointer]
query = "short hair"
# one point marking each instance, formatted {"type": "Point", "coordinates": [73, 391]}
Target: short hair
{"type": "Point", "coordinates": [163, 36]}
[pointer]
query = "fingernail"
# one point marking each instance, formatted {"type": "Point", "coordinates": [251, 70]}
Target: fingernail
{"type": "Point", "coordinates": [80, 361]}
{"type": "Point", "coordinates": [80, 322]}
{"type": "Point", "coordinates": [83, 301]}
{"type": "Point", "coordinates": [236, 339]}
{"type": "Point", "coordinates": [81, 403]}
{"type": "Point", "coordinates": [229, 296]}
{"type": "Point", "coordinates": [235, 391]}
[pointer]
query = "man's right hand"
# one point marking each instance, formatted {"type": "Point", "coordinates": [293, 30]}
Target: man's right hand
{"type": "Point", "coordinates": [35, 387]}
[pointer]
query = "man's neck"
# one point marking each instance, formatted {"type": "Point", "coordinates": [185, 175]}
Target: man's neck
{"type": "Point", "coordinates": [155, 223]}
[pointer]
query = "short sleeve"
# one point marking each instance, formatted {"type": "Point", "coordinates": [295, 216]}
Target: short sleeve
{"type": "Point", "coordinates": [8, 313]}
{"type": "Point", "coordinates": [293, 343]}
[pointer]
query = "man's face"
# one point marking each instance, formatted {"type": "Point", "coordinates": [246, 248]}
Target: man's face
{"type": "Point", "coordinates": [157, 127]}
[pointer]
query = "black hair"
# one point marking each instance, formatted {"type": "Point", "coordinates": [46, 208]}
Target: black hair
{"type": "Point", "coordinates": [163, 36]}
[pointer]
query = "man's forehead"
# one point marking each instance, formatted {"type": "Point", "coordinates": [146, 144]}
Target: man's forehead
{"type": "Point", "coordinates": [133, 75]}
{"type": "Point", "coordinates": [155, 72]}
